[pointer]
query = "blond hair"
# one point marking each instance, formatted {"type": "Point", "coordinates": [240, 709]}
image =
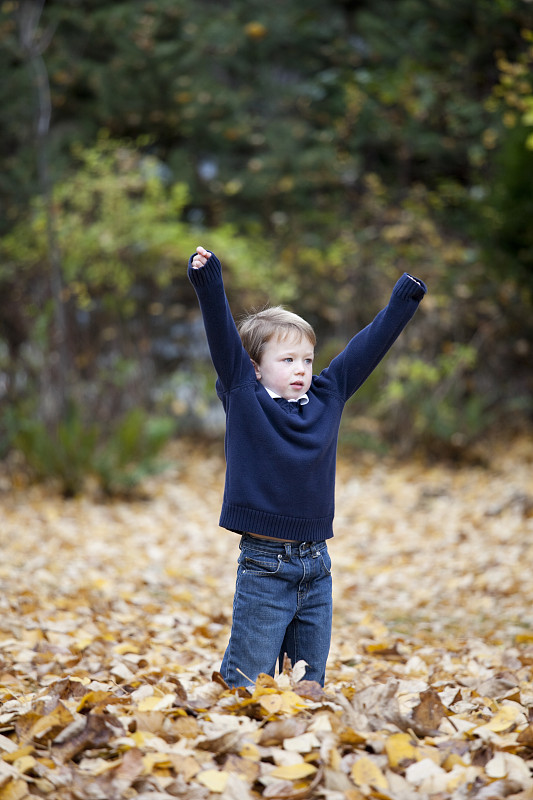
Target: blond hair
{"type": "Point", "coordinates": [259, 327]}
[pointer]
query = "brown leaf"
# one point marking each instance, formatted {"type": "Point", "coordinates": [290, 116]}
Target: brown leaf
{"type": "Point", "coordinates": [245, 767]}
{"type": "Point", "coordinates": [217, 678]}
{"type": "Point", "coordinates": [99, 729]}
{"type": "Point", "coordinates": [264, 681]}
{"type": "Point", "coordinates": [186, 727]}
{"type": "Point", "coordinates": [43, 727]}
{"type": "Point", "coordinates": [227, 743]}
{"type": "Point", "coordinates": [428, 713]}
{"type": "Point", "coordinates": [277, 731]}
{"type": "Point", "coordinates": [309, 689]}
{"type": "Point", "coordinates": [525, 737]}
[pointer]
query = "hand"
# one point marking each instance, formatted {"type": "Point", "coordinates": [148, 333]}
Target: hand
{"type": "Point", "coordinates": [200, 258]}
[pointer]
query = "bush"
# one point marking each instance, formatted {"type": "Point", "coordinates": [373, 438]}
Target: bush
{"type": "Point", "coordinates": [430, 403]}
{"type": "Point", "coordinates": [74, 451]}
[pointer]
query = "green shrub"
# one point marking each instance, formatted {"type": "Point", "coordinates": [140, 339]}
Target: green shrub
{"type": "Point", "coordinates": [130, 453]}
{"type": "Point", "coordinates": [73, 450]}
{"type": "Point", "coordinates": [432, 404]}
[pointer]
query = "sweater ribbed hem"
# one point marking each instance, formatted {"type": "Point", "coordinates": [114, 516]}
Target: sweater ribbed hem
{"type": "Point", "coordinates": [249, 520]}
{"type": "Point", "coordinates": [408, 288]}
{"type": "Point", "coordinates": [204, 276]}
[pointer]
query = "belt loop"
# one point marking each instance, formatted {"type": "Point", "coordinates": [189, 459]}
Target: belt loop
{"type": "Point", "coordinates": [287, 550]}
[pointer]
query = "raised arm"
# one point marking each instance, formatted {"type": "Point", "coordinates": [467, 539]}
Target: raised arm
{"type": "Point", "coordinates": [231, 362]}
{"type": "Point", "coordinates": [348, 371]}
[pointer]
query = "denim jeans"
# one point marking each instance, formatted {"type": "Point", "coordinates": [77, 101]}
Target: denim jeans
{"type": "Point", "coordinates": [282, 604]}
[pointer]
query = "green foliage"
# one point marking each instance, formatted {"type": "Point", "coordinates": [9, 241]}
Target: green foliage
{"type": "Point", "coordinates": [120, 222]}
{"type": "Point", "coordinates": [77, 450]}
{"type": "Point", "coordinates": [278, 107]}
{"type": "Point", "coordinates": [318, 147]}
{"type": "Point", "coordinates": [432, 401]}
{"type": "Point", "coordinates": [507, 209]}
{"type": "Point", "coordinates": [130, 452]}
{"type": "Point", "coordinates": [116, 222]}
{"type": "Point", "coordinates": [64, 454]}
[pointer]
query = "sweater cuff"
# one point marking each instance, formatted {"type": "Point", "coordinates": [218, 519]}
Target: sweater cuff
{"type": "Point", "coordinates": [410, 288]}
{"type": "Point", "coordinates": [209, 273]}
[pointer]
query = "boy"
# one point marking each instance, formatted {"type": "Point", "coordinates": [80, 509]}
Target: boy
{"type": "Point", "coordinates": [282, 426]}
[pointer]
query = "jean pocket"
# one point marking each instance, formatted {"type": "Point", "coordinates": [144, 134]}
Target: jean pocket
{"type": "Point", "coordinates": [326, 561]}
{"type": "Point", "coordinates": [260, 564]}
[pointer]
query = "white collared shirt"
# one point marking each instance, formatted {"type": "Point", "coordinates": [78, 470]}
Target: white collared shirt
{"type": "Point", "coordinates": [303, 400]}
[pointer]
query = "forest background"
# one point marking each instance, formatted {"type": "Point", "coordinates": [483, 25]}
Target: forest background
{"type": "Point", "coordinates": [320, 148]}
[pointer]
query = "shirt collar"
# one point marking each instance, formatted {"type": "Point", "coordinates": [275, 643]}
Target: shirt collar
{"type": "Point", "coordinates": [303, 399]}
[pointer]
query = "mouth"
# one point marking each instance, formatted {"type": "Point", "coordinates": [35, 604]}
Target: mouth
{"type": "Point", "coordinates": [297, 385]}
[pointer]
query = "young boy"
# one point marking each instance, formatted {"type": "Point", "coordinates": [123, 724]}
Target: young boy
{"type": "Point", "coordinates": [282, 426]}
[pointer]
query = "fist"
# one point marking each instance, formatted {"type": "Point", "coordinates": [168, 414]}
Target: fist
{"type": "Point", "coordinates": [200, 258]}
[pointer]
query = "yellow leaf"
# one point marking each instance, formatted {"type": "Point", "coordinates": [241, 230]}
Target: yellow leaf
{"type": "Point", "coordinates": [502, 721]}
{"type": "Point", "coordinates": [126, 647]}
{"type": "Point", "coordinates": [452, 761]}
{"type": "Point", "coordinates": [399, 748]}
{"type": "Point", "coordinates": [140, 737]}
{"type": "Point", "coordinates": [83, 640]}
{"type": "Point", "coordinates": [523, 638]}
{"type": "Point", "coordinates": [366, 773]}
{"type": "Point", "coordinates": [58, 719]}
{"type": "Point", "coordinates": [156, 702]}
{"type": "Point", "coordinates": [249, 750]}
{"type": "Point", "coordinates": [293, 772]}
{"type": "Point", "coordinates": [151, 760]}
{"type": "Point", "coordinates": [24, 764]}
{"type": "Point", "coordinates": [16, 754]}
{"type": "Point", "coordinates": [255, 30]}
{"type": "Point", "coordinates": [349, 736]}
{"type": "Point", "coordinates": [94, 698]}
{"type": "Point", "coordinates": [215, 780]}
{"type": "Point", "coordinates": [15, 790]}
{"type": "Point", "coordinates": [271, 703]}
{"type": "Point", "coordinates": [291, 702]}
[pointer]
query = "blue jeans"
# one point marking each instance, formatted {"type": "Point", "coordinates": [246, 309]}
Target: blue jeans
{"type": "Point", "coordinates": [282, 604]}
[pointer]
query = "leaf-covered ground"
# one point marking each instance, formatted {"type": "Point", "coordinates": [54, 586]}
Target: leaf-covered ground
{"type": "Point", "coordinates": [114, 617]}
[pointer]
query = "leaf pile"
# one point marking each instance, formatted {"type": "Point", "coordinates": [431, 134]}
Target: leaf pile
{"type": "Point", "coordinates": [113, 620]}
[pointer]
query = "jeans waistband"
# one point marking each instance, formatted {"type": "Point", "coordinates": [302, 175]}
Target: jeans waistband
{"type": "Point", "coordinates": [284, 547]}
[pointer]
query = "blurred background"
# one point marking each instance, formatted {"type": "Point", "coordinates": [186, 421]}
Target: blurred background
{"type": "Point", "coordinates": [320, 148]}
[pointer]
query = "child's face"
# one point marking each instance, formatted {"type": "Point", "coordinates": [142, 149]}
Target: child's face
{"type": "Point", "coordinates": [286, 366]}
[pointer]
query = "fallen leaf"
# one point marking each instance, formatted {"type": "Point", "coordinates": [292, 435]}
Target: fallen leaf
{"type": "Point", "coordinates": [502, 721]}
{"type": "Point", "coordinates": [277, 731]}
{"type": "Point", "coordinates": [304, 743]}
{"type": "Point", "coordinates": [526, 736]}
{"type": "Point", "coordinates": [428, 714]}
{"type": "Point", "coordinates": [401, 750]}
{"type": "Point", "coordinates": [293, 772]}
{"type": "Point", "coordinates": [16, 789]}
{"type": "Point", "coordinates": [215, 780]}
{"type": "Point", "coordinates": [367, 773]}
{"type": "Point", "coordinates": [156, 702]}
{"type": "Point", "coordinates": [271, 703]}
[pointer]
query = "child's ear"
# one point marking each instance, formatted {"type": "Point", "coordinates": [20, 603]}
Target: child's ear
{"type": "Point", "coordinates": [257, 370]}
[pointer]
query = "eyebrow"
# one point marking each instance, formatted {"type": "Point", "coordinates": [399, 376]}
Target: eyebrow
{"type": "Point", "coordinates": [285, 353]}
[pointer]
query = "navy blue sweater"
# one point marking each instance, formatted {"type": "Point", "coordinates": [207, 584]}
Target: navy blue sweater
{"type": "Point", "coordinates": [280, 466]}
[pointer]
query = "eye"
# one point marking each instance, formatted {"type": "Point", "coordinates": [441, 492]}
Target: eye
{"type": "Point", "coordinates": [288, 359]}
{"type": "Point", "coordinates": [308, 360]}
